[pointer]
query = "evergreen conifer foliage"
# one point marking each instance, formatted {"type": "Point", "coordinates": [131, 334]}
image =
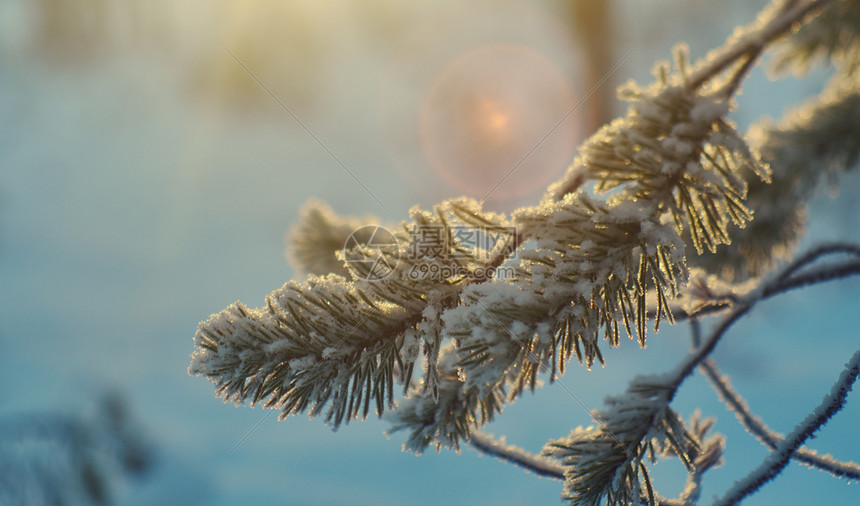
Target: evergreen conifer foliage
{"type": "Point", "coordinates": [659, 218]}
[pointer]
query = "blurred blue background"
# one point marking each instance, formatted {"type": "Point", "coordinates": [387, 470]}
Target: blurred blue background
{"type": "Point", "coordinates": [147, 180]}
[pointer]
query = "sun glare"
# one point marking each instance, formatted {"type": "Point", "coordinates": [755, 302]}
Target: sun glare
{"type": "Point", "coordinates": [487, 116]}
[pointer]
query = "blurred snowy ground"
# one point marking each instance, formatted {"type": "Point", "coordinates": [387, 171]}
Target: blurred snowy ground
{"type": "Point", "coordinates": [146, 181]}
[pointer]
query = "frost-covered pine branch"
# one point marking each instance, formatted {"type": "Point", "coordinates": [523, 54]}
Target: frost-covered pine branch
{"type": "Point", "coordinates": [291, 351]}
{"type": "Point", "coordinates": [671, 168]}
{"type": "Point", "coordinates": [607, 462]}
{"type": "Point", "coordinates": [608, 251]}
{"type": "Point", "coordinates": [813, 144]}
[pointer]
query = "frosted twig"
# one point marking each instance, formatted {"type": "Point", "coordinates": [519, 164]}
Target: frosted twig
{"type": "Point", "coordinates": [690, 495]}
{"type": "Point", "coordinates": [498, 448]}
{"type": "Point", "coordinates": [784, 280]}
{"type": "Point", "coordinates": [670, 382]}
{"type": "Point", "coordinates": [748, 47]}
{"type": "Point", "coordinates": [774, 463]}
{"type": "Point", "coordinates": [754, 41]}
{"type": "Point", "coordinates": [732, 86]}
{"type": "Point", "coordinates": [767, 436]}
{"type": "Point", "coordinates": [816, 253]}
{"type": "Point", "coordinates": [811, 277]}
{"type": "Point", "coordinates": [781, 284]}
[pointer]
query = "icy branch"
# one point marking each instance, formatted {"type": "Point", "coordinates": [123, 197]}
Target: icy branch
{"type": "Point", "coordinates": [517, 456]}
{"type": "Point", "coordinates": [755, 425]}
{"type": "Point", "coordinates": [607, 462]}
{"type": "Point", "coordinates": [672, 176]}
{"type": "Point", "coordinates": [788, 279]}
{"type": "Point", "coordinates": [776, 461]}
{"type": "Point", "coordinates": [756, 37]}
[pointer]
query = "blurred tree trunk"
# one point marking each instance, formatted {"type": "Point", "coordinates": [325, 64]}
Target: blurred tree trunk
{"type": "Point", "coordinates": [594, 30]}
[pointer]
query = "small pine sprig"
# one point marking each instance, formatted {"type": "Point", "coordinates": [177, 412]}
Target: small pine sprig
{"type": "Point", "coordinates": [676, 151]}
{"type": "Point", "coordinates": [314, 344]}
{"type": "Point", "coordinates": [334, 346]}
{"type": "Point", "coordinates": [314, 240]}
{"type": "Point", "coordinates": [605, 464]}
{"type": "Point", "coordinates": [443, 416]}
{"type": "Point", "coordinates": [815, 143]}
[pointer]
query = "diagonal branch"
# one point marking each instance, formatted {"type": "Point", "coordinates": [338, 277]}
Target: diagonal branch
{"type": "Point", "coordinates": [774, 463]}
{"type": "Point", "coordinates": [780, 284]}
{"type": "Point", "coordinates": [498, 448]}
{"type": "Point", "coordinates": [753, 41]}
{"type": "Point", "coordinates": [668, 384]}
{"type": "Point", "coordinates": [767, 436]}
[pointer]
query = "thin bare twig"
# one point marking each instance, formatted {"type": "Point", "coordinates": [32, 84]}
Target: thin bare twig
{"type": "Point", "coordinates": [726, 301]}
{"type": "Point", "coordinates": [754, 41]}
{"type": "Point", "coordinates": [816, 253]}
{"type": "Point", "coordinates": [767, 436]}
{"type": "Point", "coordinates": [812, 277]}
{"type": "Point", "coordinates": [774, 463]}
{"type": "Point", "coordinates": [539, 465]}
{"type": "Point", "coordinates": [732, 86]}
{"type": "Point", "coordinates": [780, 284]}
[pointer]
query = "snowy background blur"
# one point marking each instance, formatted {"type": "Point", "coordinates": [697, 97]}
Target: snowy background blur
{"type": "Point", "coordinates": [147, 180]}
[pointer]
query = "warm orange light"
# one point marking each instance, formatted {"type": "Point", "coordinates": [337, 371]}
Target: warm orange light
{"type": "Point", "coordinates": [498, 121]}
{"type": "Point", "coordinates": [494, 116]}
{"type": "Point", "coordinates": [485, 122]}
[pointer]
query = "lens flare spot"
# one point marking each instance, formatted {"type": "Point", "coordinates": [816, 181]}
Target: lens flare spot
{"type": "Point", "coordinates": [493, 122]}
